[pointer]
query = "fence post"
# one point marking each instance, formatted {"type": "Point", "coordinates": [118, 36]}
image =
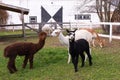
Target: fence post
{"type": "Point", "coordinates": [110, 38]}
{"type": "Point", "coordinates": [40, 27]}
{"type": "Point", "coordinates": [23, 24]}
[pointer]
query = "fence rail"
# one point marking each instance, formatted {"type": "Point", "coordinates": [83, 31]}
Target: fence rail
{"type": "Point", "coordinates": [76, 25]}
{"type": "Point", "coordinates": [110, 35]}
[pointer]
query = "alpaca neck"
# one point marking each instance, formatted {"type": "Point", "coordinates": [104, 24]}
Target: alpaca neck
{"type": "Point", "coordinates": [71, 46]}
{"type": "Point", "coordinates": [40, 44]}
{"type": "Point", "coordinates": [61, 36]}
{"type": "Point", "coordinates": [98, 38]}
{"type": "Point", "coordinates": [63, 39]}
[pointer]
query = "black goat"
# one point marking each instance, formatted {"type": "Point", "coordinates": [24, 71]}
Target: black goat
{"type": "Point", "coordinates": [77, 48]}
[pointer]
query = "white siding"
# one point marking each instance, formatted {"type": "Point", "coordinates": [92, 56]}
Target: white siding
{"type": "Point", "coordinates": [51, 6]}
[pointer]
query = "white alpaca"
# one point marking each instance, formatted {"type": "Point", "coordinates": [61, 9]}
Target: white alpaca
{"type": "Point", "coordinates": [63, 39]}
{"type": "Point", "coordinates": [47, 29]}
{"type": "Point", "coordinates": [84, 34]}
{"type": "Point", "coordinates": [79, 34]}
{"type": "Point", "coordinates": [95, 37]}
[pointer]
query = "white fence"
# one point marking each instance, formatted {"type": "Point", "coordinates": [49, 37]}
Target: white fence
{"type": "Point", "coordinates": [110, 36]}
{"type": "Point", "coordinates": [90, 25]}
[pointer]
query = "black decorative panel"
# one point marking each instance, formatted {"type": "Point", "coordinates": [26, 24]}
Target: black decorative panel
{"type": "Point", "coordinates": [58, 16]}
{"type": "Point", "coordinates": [45, 17]}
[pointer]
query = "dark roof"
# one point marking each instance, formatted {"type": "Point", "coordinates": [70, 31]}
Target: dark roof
{"type": "Point", "coordinates": [13, 8]}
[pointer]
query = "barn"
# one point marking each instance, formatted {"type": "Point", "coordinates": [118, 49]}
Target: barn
{"type": "Point", "coordinates": [51, 11]}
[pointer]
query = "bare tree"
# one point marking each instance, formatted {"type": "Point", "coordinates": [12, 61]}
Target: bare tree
{"type": "Point", "coordinates": [82, 6]}
{"type": "Point", "coordinates": [103, 8]}
{"type": "Point", "coordinates": [116, 18]}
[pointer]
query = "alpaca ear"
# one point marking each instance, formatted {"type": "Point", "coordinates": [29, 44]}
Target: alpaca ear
{"type": "Point", "coordinates": [75, 30]}
{"type": "Point", "coordinates": [67, 30]}
{"type": "Point", "coordinates": [57, 33]}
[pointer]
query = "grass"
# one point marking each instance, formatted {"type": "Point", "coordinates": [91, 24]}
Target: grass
{"type": "Point", "coordinates": [50, 63]}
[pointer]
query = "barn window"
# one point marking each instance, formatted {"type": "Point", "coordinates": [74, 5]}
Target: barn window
{"type": "Point", "coordinates": [33, 19]}
{"type": "Point", "coordinates": [82, 16]}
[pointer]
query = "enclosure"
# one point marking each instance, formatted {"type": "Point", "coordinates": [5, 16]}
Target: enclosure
{"type": "Point", "coordinates": [50, 63]}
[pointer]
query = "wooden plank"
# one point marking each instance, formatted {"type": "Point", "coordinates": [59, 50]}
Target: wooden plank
{"type": "Point", "coordinates": [32, 28]}
{"type": "Point", "coordinates": [10, 25]}
{"type": "Point", "coordinates": [13, 8]}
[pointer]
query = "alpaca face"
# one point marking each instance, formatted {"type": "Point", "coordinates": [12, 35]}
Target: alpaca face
{"type": "Point", "coordinates": [71, 35]}
{"type": "Point", "coordinates": [101, 43]}
{"type": "Point", "coordinates": [55, 32]}
{"type": "Point", "coordinates": [43, 35]}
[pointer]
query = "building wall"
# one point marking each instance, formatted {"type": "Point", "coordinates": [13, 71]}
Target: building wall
{"type": "Point", "coordinates": [51, 6]}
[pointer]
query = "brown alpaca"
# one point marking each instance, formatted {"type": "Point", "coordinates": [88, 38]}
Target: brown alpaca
{"type": "Point", "coordinates": [27, 49]}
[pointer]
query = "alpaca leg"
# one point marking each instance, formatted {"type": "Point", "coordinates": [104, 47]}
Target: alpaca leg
{"type": "Point", "coordinates": [15, 69]}
{"type": "Point", "coordinates": [31, 61]}
{"type": "Point", "coordinates": [93, 43]}
{"type": "Point", "coordinates": [11, 65]}
{"type": "Point", "coordinates": [75, 63]}
{"type": "Point", "coordinates": [86, 57]}
{"type": "Point", "coordinates": [25, 61]}
{"type": "Point", "coordinates": [69, 58]}
{"type": "Point", "coordinates": [89, 56]}
{"type": "Point", "coordinates": [90, 60]}
{"type": "Point", "coordinates": [83, 59]}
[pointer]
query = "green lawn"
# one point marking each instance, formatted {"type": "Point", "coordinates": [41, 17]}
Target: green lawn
{"type": "Point", "coordinates": [50, 63]}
